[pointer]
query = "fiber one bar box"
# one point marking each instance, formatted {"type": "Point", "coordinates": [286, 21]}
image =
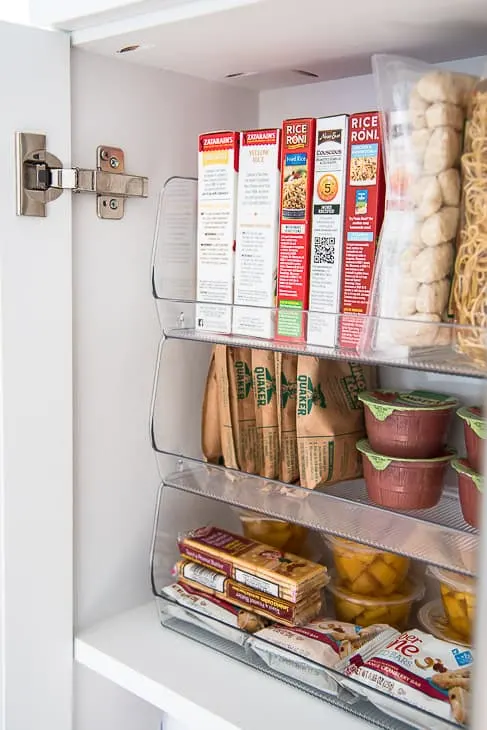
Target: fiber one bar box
{"type": "Point", "coordinates": [257, 233]}
{"type": "Point", "coordinates": [297, 164]}
{"type": "Point", "coordinates": [330, 181]}
{"type": "Point", "coordinates": [363, 220]}
{"type": "Point", "coordinates": [217, 208]}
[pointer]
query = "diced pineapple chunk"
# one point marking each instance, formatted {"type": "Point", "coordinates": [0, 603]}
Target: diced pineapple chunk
{"type": "Point", "coordinates": [454, 609]}
{"type": "Point", "coordinates": [385, 574]}
{"type": "Point", "coordinates": [365, 584]}
{"type": "Point", "coordinates": [346, 610]}
{"type": "Point", "coordinates": [374, 615]}
{"type": "Point", "coordinates": [348, 568]}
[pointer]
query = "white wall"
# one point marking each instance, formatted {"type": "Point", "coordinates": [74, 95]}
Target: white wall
{"type": "Point", "coordinates": [156, 117]}
{"type": "Point", "coordinates": [340, 96]}
{"type": "Point", "coordinates": [15, 12]}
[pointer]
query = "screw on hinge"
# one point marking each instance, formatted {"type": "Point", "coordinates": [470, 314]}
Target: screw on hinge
{"type": "Point", "coordinates": [114, 162]}
{"type": "Point", "coordinates": [113, 204]}
{"type": "Point", "coordinates": [104, 154]}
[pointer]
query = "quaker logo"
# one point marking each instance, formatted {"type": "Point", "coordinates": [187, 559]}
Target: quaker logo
{"type": "Point", "coordinates": [330, 135]}
{"type": "Point", "coordinates": [244, 379]}
{"type": "Point", "coordinates": [288, 390]}
{"type": "Point", "coordinates": [265, 385]}
{"type": "Point", "coordinates": [309, 395]}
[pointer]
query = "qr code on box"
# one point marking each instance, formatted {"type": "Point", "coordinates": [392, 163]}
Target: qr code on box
{"type": "Point", "coordinates": [324, 250]}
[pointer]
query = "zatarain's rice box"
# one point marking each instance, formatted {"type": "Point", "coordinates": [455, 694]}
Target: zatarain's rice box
{"type": "Point", "coordinates": [257, 232]}
{"type": "Point", "coordinates": [297, 165]}
{"type": "Point", "coordinates": [217, 207]}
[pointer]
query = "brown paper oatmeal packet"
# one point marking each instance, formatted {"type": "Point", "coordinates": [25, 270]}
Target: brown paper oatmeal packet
{"type": "Point", "coordinates": [265, 399]}
{"type": "Point", "coordinates": [243, 408]}
{"type": "Point", "coordinates": [224, 412]}
{"type": "Point", "coordinates": [286, 373]}
{"type": "Point", "coordinates": [329, 419]}
{"type": "Point", "coordinates": [211, 444]}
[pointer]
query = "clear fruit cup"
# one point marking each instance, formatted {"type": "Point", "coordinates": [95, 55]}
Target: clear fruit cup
{"type": "Point", "coordinates": [284, 536]}
{"type": "Point", "coordinates": [459, 600]}
{"type": "Point", "coordinates": [393, 609]}
{"type": "Point", "coordinates": [365, 570]}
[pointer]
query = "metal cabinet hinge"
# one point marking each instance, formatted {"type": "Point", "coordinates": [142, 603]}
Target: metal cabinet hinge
{"type": "Point", "coordinates": [41, 178]}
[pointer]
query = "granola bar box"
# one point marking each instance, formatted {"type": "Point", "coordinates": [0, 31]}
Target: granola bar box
{"type": "Point", "coordinates": [364, 212]}
{"type": "Point", "coordinates": [253, 564]}
{"type": "Point", "coordinates": [297, 169]}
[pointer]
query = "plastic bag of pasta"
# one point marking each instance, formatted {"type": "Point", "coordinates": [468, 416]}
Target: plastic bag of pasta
{"type": "Point", "coordinates": [470, 276]}
{"type": "Point", "coordinates": [423, 113]}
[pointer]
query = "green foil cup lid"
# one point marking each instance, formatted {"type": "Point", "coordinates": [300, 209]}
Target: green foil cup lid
{"type": "Point", "coordinates": [381, 462]}
{"type": "Point", "coordinates": [473, 416]}
{"type": "Point", "coordinates": [383, 403]}
{"type": "Point", "coordinates": [463, 467]}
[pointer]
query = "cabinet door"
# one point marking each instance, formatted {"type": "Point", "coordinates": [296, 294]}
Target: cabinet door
{"type": "Point", "coordinates": [35, 397]}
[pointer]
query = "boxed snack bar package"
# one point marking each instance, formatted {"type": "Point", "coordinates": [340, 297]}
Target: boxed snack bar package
{"type": "Point", "coordinates": [276, 609]}
{"type": "Point", "coordinates": [329, 419]}
{"type": "Point", "coordinates": [426, 673]}
{"type": "Point", "coordinates": [302, 652]}
{"type": "Point", "coordinates": [297, 165]}
{"type": "Point", "coordinates": [257, 232]}
{"type": "Point", "coordinates": [217, 207]}
{"type": "Point", "coordinates": [210, 613]}
{"type": "Point", "coordinates": [253, 564]}
{"type": "Point", "coordinates": [363, 220]}
{"type": "Point", "coordinates": [330, 179]}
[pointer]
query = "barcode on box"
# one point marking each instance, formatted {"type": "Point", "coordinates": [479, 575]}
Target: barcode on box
{"type": "Point", "coordinates": [324, 250]}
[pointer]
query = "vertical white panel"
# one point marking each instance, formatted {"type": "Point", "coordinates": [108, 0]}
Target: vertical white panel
{"type": "Point", "coordinates": [156, 117]}
{"type": "Point", "coordinates": [36, 397]}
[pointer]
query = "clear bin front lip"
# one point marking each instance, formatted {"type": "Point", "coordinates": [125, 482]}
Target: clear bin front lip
{"type": "Point", "coordinates": [438, 536]}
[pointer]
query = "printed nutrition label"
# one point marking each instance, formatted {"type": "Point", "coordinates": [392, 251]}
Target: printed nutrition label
{"type": "Point", "coordinates": [204, 576]}
{"type": "Point", "coordinates": [252, 581]}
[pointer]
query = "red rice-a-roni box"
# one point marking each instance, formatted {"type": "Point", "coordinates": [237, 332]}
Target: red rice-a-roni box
{"type": "Point", "coordinates": [297, 166]}
{"type": "Point", "coordinates": [364, 212]}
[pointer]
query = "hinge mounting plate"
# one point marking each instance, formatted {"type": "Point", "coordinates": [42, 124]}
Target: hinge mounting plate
{"type": "Point", "coordinates": [41, 178]}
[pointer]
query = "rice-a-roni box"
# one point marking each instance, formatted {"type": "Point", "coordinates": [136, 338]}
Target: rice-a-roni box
{"type": "Point", "coordinates": [365, 199]}
{"type": "Point", "coordinates": [330, 180]}
{"type": "Point", "coordinates": [297, 165]}
{"type": "Point", "coordinates": [257, 233]}
{"type": "Point", "coordinates": [217, 208]}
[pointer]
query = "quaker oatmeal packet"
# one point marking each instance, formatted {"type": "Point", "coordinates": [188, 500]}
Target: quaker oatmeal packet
{"type": "Point", "coordinates": [425, 673]}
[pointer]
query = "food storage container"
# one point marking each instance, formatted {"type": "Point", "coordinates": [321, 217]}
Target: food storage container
{"type": "Point", "coordinates": [432, 618]}
{"type": "Point", "coordinates": [365, 570]}
{"type": "Point", "coordinates": [458, 597]}
{"type": "Point", "coordinates": [366, 610]}
{"type": "Point", "coordinates": [402, 483]}
{"type": "Point", "coordinates": [411, 424]}
{"type": "Point", "coordinates": [475, 434]}
{"type": "Point", "coordinates": [284, 536]}
{"type": "Point", "coordinates": [470, 488]}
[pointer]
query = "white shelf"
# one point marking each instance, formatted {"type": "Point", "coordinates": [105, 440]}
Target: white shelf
{"type": "Point", "coordinates": [199, 687]}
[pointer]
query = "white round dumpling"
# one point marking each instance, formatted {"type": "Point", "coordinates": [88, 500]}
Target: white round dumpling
{"type": "Point", "coordinates": [417, 102]}
{"type": "Point", "coordinates": [449, 182]}
{"type": "Point", "coordinates": [440, 227]}
{"type": "Point", "coordinates": [437, 86]}
{"type": "Point", "coordinates": [419, 140]}
{"type": "Point", "coordinates": [426, 195]}
{"type": "Point", "coordinates": [420, 330]}
{"type": "Point", "coordinates": [433, 263]}
{"type": "Point", "coordinates": [408, 256]}
{"type": "Point", "coordinates": [442, 150]}
{"type": "Point", "coordinates": [433, 298]}
{"type": "Point", "coordinates": [443, 114]}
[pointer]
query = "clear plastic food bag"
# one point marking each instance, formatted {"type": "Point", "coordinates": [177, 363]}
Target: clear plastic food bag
{"type": "Point", "coordinates": [423, 112]}
{"type": "Point", "coordinates": [470, 276]}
